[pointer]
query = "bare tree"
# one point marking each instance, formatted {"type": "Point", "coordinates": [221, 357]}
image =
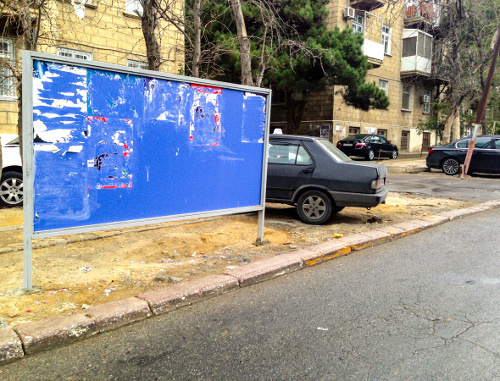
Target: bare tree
{"type": "Point", "coordinates": [149, 25]}
{"type": "Point", "coordinates": [22, 20]}
{"type": "Point", "coordinates": [465, 53]}
{"type": "Point", "coordinates": [243, 40]}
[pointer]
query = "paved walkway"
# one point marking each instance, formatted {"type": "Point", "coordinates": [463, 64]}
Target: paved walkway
{"type": "Point", "coordinates": [406, 163]}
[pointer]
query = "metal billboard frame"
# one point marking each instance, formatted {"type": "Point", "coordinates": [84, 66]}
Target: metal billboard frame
{"type": "Point", "coordinates": [28, 155]}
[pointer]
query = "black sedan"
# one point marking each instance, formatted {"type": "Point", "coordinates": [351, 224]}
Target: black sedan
{"type": "Point", "coordinates": [449, 158]}
{"type": "Point", "coordinates": [319, 179]}
{"type": "Point", "coordinates": [368, 146]}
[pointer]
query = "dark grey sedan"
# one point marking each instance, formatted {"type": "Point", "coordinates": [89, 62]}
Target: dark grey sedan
{"type": "Point", "coordinates": [449, 158]}
{"type": "Point", "coordinates": [319, 179]}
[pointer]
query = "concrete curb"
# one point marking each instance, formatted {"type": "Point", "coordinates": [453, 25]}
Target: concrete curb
{"type": "Point", "coordinates": [407, 169]}
{"type": "Point", "coordinates": [49, 333]}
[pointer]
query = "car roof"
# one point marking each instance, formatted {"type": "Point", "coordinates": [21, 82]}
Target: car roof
{"type": "Point", "coordinates": [293, 137]}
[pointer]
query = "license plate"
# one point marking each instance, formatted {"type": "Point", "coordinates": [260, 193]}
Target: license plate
{"type": "Point", "coordinates": [347, 145]}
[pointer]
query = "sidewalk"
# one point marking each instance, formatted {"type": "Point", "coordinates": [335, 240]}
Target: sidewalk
{"type": "Point", "coordinates": [406, 163]}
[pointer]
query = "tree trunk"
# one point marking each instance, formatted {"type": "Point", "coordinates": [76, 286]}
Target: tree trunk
{"type": "Point", "coordinates": [447, 127]}
{"type": "Point", "coordinates": [149, 23]}
{"type": "Point", "coordinates": [294, 112]}
{"type": "Point", "coordinates": [456, 125]}
{"type": "Point", "coordinates": [197, 39]}
{"type": "Point", "coordinates": [244, 43]}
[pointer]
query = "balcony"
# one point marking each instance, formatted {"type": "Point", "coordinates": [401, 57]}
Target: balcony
{"type": "Point", "coordinates": [367, 5]}
{"type": "Point", "coordinates": [374, 51]}
{"type": "Point", "coordinates": [420, 12]}
{"type": "Point", "coordinates": [416, 59]}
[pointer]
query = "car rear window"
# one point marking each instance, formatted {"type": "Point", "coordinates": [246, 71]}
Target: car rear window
{"type": "Point", "coordinates": [355, 137]}
{"type": "Point", "coordinates": [337, 154]}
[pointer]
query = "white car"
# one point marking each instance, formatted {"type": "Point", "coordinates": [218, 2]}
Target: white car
{"type": "Point", "coordinates": [11, 183]}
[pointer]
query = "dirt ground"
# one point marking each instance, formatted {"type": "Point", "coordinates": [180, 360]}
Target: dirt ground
{"type": "Point", "coordinates": [72, 273]}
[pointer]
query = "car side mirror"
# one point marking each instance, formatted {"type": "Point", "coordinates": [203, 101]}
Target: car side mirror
{"type": "Point", "coordinates": [389, 142]}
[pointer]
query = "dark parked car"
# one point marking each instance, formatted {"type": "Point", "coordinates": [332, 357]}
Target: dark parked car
{"type": "Point", "coordinates": [320, 180]}
{"type": "Point", "coordinates": [368, 146]}
{"type": "Point", "coordinates": [485, 157]}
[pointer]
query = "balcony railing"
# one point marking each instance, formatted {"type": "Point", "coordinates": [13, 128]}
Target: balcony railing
{"type": "Point", "coordinates": [374, 51]}
{"type": "Point", "coordinates": [418, 11]}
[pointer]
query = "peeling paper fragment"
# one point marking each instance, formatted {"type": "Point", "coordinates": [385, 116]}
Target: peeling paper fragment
{"type": "Point", "coordinates": [46, 148]}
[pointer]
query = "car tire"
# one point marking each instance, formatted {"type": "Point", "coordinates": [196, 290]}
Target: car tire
{"type": "Point", "coordinates": [314, 207]}
{"type": "Point", "coordinates": [11, 189]}
{"type": "Point", "coordinates": [450, 166]}
{"type": "Point", "coordinates": [370, 155]}
{"type": "Point", "coordinates": [394, 155]}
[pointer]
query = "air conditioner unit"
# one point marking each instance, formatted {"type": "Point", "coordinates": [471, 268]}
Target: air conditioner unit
{"type": "Point", "coordinates": [349, 13]}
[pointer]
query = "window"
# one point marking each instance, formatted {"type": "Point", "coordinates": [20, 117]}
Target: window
{"type": "Point", "coordinates": [7, 83]}
{"type": "Point", "coordinates": [406, 105]}
{"type": "Point", "coordinates": [288, 154]}
{"type": "Point", "coordinates": [354, 130]}
{"type": "Point", "coordinates": [484, 143]}
{"type": "Point", "coordinates": [496, 144]}
{"type": "Point", "coordinates": [426, 104]}
{"type": "Point", "coordinates": [382, 133]}
{"type": "Point", "coordinates": [137, 64]}
{"type": "Point", "coordinates": [386, 39]}
{"type": "Point", "coordinates": [420, 45]}
{"type": "Point", "coordinates": [74, 54]}
{"type": "Point", "coordinates": [358, 24]}
{"type": "Point", "coordinates": [409, 47]}
{"type": "Point", "coordinates": [384, 85]}
{"type": "Point", "coordinates": [424, 46]}
{"type": "Point", "coordinates": [134, 7]}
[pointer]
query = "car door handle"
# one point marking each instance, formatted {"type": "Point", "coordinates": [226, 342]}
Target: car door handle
{"type": "Point", "coordinates": [308, 170]}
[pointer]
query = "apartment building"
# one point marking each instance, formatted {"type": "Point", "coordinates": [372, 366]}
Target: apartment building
{"type": "Point", "coordinates": [101, 30]}
{"type": "Point", "coordinates": [398, 41]}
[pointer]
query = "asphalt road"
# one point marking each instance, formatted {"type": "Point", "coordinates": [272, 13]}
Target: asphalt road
{"type": "Point", "coordinates": [474, 188]}
{"type": "Point", "coordinates": [425, 307]}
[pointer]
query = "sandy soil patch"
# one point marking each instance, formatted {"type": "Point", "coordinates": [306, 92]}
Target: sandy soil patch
{"type": "Point", "coordinates": [74, 272]}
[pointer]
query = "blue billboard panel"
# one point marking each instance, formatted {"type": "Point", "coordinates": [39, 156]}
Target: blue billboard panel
{"type": "Point", "coordinates": [113, 147]}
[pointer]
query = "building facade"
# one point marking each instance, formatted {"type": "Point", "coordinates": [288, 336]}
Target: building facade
{"type": "Point", "coordinates": [100, 30]}
{"type": "Point", "coordinates": [398, 41]}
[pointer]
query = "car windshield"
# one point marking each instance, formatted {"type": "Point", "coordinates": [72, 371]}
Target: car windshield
{"type": "Point", "coordinates": [356, 137]}
{"type": "Point", "coordinates": [337, 154]}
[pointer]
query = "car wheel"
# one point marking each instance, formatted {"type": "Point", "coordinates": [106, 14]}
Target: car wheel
{"type": "Point", "coordinates": [450, 166]}
{"type": "Point", "coordinates": [394, 154]}
{"type": "Point", "coordinates": [314, 207]}
{"type": "Point", "coordinates": [370, 155]}
{"type": "Point", "coordinates": [11, 189]}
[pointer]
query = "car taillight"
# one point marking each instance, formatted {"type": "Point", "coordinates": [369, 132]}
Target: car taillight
{"type": "Point", "coordinates": [377, 184]}
{"type": "Point", "coordinates": [430, 151]}
{"type": "Point", "coordinates": [339, 144]}
{"type": "Point", "coordinates": [360, 145]}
